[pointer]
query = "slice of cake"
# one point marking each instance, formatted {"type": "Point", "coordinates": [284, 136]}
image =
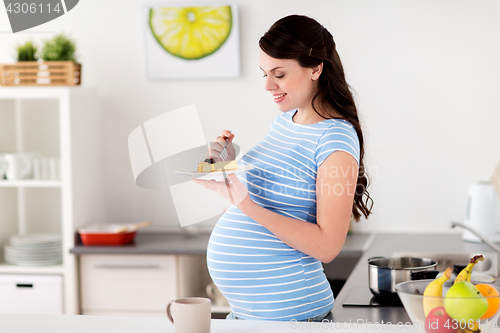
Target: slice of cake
{"type": "Point", "coordinates": [206, 166]}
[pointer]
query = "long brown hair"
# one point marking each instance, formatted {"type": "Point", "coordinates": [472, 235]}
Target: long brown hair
{"type": "Point", "coordinates": [305, 40]}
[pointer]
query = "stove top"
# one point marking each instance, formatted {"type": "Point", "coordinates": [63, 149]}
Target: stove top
{"type": "Point", "coordinates": [364, 297]}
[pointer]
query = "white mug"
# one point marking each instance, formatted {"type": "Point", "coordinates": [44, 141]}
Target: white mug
{"type": "Point", "coordinates": [41, 168]}
{"type": "Point", "coordinates": [190, 315]}
{"type": "Point", "coordinates": [215, 295]}
{"type": "Point", "coordinates": [19, 166]}
{"type": "Point", "coordinates": [3, 166]}
{"type": "Point", "coordinates": [46, 168]}
{"type": "Point", "coordinates": [55, 168]}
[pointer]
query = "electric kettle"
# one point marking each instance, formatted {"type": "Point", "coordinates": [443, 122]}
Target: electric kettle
{"type": "Point", "coordinates": [483, 212]}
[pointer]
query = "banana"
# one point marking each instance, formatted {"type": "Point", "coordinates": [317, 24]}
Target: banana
{"type": "Point", "coordinates": [470, 328]}
{"type": "Point", "coordinates": [466, 273]}
{"type": "Point", "coordinates": [435, 291]}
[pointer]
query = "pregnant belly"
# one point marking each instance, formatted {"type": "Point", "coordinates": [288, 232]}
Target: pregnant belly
{"type": "Point", "coordinates": [259, 275]}
{"type": "Point", "coordinates": [242, 253]}
{"type": "Point", "coordinates": [238, 235]}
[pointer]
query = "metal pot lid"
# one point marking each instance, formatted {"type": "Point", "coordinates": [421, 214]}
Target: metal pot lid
{"type": "Point", "coordinates": [403, 263]}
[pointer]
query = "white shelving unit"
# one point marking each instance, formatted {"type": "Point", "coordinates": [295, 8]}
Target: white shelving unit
{"type": "Point", "coordinates": [30, 183]}
{"type": "Point", "coordinates": [63, 123]}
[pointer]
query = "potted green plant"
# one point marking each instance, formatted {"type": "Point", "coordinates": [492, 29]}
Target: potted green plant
{"type": "Point", "coordinates": [59, 48]}
{"type": "Point", "coordinates": [57, 65]}
{"type": "Point", "coordinates": [27, 51]}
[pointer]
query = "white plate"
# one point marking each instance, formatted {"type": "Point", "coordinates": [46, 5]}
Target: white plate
{"type": "Point", "coordinates": [216, 175]}
{"type": "Point", "coordinates": [35, 239]}
{"type": "Point", "coordinates": [33, 263]}
{"type": "Point", "coordinates": [36, 247]}
{"type": "Point", "coordinates": [29, 259]}
{"type": "Point", "coordinates": [32, 253]}
{"type": "Point", "coordinates": [32, 257]}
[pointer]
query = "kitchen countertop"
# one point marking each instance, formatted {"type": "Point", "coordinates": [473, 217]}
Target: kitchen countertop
{"type": "Point", "coordinates": [182, 243]}
{"type": "Point", "coordinates": [385, 245]}
{"type": "Point", "coordinates": [363, 246]}
{"type": "Point", "coordinates": [17, 323]}
{"type": "Point", "coordinates": [153, 243]}
{"type": "Point", "coordinates": [22, 323]}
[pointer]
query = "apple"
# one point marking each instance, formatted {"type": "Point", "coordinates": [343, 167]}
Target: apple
{"type": "Point", "coordinates": [464, 302]}
{"type": "Point", "coordinates": [438, 321]}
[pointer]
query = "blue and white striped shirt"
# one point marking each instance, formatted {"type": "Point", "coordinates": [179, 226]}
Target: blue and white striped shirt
{"type": "Point", "coordinates": [261, 277]}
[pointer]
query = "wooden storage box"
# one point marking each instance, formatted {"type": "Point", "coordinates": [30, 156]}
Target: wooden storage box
{"type": "Point", "coordinates": [47, 73]}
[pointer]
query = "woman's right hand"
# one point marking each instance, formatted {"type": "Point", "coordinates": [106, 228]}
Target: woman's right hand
{"type": "Point", "coordinates": [219, 144]}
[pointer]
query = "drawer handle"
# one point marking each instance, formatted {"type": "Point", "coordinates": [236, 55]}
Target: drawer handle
{"type": "Point", "coordinates": [106, 266]}
{"type": "Point", "coordinates": [24, 285]}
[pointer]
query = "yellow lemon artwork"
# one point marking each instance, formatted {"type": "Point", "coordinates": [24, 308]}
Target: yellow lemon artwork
{"type": "Point", "coordinates": [191, 32]}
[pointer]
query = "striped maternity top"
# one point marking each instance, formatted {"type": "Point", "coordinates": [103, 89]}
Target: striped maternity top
{"type": "Point", "coordinates": [261, 277]}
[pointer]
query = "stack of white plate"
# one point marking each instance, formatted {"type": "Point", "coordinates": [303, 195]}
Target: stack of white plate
{"type": "Point", "coordinates": [35, 249]}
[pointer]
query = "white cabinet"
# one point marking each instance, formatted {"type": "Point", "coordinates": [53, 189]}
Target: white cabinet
{"type": "Point", "coordinates": [61, 123]}
{"type": "Point", "coordinates": [40, 294]}
{"type": "Point", "coordinates": [141, 284]}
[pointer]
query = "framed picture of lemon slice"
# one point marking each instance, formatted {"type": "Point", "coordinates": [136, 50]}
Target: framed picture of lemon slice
{"type": "Point", "coordinates": [191, 41]}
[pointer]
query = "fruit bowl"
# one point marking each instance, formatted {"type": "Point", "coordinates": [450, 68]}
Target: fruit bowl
{"type": "Point", "coordinates": [450, 314]}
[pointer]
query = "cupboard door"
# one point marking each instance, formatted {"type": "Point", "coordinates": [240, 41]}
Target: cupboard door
{"type": "Point", "coordinates": [37, 294]}
{"type": "Point", "coordinates": [143, 283]}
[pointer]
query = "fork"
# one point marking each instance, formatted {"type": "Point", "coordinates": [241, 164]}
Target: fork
{"type": "Point", "coordinates": [223, 153]}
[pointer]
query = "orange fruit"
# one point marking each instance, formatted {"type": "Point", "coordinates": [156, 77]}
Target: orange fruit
{"type": "Point", "coordinates": [491, 294]}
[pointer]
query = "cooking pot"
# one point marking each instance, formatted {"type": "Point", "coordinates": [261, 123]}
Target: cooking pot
{"type": "Point", "coordinates": [385, 273]}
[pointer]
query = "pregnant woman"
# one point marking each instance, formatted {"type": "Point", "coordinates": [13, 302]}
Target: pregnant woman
{"type": "Point", "coordinates": [292, 211]}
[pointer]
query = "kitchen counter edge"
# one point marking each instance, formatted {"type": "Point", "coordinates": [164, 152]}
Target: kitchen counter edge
{"type": "Point", "coordinates": [178, 243]}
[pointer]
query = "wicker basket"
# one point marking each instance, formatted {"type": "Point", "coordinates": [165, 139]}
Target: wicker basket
{"type": "Point", "coordinates": [47, 73]}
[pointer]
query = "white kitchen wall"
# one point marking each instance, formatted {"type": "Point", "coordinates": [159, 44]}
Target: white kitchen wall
{"type": "Point", "coordinates": [425, 75]}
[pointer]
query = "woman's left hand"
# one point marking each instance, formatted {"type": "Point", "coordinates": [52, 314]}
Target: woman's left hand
{"type": "Point", "coordinates": [232, 189]}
